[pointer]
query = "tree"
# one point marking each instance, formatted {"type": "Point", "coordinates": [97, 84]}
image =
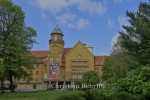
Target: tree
{"type": "Point", "coordinates": [2, 76]}
{"type": "Point", "coordinates": [16, 41]}
{"type": "Point", "coordinates": [90, 77]}
{"type": "Point", "coordinates": [132, 49]}
{"type": "Point", "coordinates": [136, 37]}
{"type": "Point", "coordinates": [135, 83]}
{"type": "Point", "coordinates": [117, 64]}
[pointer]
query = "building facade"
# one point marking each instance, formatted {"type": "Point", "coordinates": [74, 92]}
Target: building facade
{"type": "Point", "coordinates": [61, 66]}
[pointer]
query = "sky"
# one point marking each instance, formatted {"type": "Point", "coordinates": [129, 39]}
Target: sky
{"type": "Point", "coordinates": [93, 22]}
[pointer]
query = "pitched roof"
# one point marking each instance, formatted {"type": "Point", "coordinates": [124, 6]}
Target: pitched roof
{"type": "Point", "coordinates": [99, 60]}
{"type": "Point", "coordinates": [44, 53]}
{"type": "Point", "coordinates": [40, 53]}
{"type": "Point", "coordinates": [79, 43]}
{"type": "Point", "coordinates": [66, 50]}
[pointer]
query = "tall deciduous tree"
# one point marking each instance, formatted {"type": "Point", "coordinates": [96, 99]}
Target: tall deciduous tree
{"type": "Point", "coordinates": [16, 41]}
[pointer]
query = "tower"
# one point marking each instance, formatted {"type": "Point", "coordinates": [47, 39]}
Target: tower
{"type": "Point", "coordinates": [56, 48]}
{"type": "Point", "coordinates": [56, 43]}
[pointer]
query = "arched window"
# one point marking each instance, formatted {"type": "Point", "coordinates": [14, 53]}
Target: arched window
{"type": "Point", "coordinates": [55, 38]}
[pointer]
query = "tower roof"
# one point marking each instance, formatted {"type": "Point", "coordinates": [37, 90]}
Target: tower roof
{"type": "Point", "coordinates": [57, 30]}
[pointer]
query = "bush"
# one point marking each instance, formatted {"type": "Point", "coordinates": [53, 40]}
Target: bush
{"type": "Point", "coordinates": [123, 96]}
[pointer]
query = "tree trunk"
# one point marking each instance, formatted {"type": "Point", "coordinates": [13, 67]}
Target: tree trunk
{"type": "Point", "coordinates": [2, 85]}
{"type": "Point", "coordinates": [11, 82]}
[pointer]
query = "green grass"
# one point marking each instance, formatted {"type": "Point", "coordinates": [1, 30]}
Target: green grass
{"type": "Point", "coordinates": [38, 95]}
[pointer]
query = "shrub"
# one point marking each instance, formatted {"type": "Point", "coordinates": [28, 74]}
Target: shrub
{"type": "Point", "coordinates": [123, 96]}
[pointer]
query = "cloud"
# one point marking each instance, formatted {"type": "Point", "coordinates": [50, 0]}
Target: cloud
{"type": "Point", "coordinates": [92, 7]}
{"type": "Point", "coordinates": [56, 6]}
{"type": "Point", "coordinates": [119, 1]}
{"type": "Point", "coordinates": [80, 24]}
{"type": "Point", "coordinates": [111, 23]}
{"type": "Point", "coordinates": [62, 12]}
{"type": "Point", "coordinates": [122, 21]}
{"type": "Point", "coordinates": [114, 39]}
{"type": "Point", "coordinates": [52, 6]}
{"type": "Point", "coordinates": [65, 18]}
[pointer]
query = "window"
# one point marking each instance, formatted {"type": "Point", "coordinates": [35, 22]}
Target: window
{"type": "Point", "coordinates": [79, 69]}
{"type": "Point", "coordinates": [73, 76]}
{"type": "Point", "coordinates": [79, 62]}
{"type": "Point", "coordinates": [28, 86]}
{"type": "Point", "coordinates": [73, 68]}
{"type": "Point", "coordinates": [79, 56]}
{"type": "Point", "coordinates": [102, 63]}
{"type": "Point", "coordinates": [57, 59]}
{"type": "Point", "coordinates": [84, 62]}
{"type": "Point", "coordinates": [96, 63]}
{"type": "Point", "coordinates": [63, 71]}
{"type": "Point", "coordinates": [37, 72]}
{"type": "Point", "coordinates": [51, 59]}
{"type": "Point", "coordinates": [85, 69]}
{"type": "Point", "coordinates": [24, 80]}
{"type": "Point", "coordinates": [36, 80]}
{"type": "Point", "coordinates": [73, 63]}
{"type": "Point", "coordinates": [79, 76]}
{"type": "Point", "coordinates": [21, 86]}
{"type": "Point", "coordinates": [55, 38]}
{"type": "Point", "coordinates": [59, 39]}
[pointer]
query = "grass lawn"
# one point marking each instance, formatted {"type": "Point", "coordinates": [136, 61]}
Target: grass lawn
{"type": "Point", "coordinates": [38, 95]}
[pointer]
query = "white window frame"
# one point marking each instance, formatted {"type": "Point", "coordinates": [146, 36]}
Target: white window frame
{"type": "Point", "coordinates": [73, 76]}
{"type": "Point", "coordinates": [84, 69]}
{"type": "Point", "coordinates": [51, 59]}
{"type": "Point", "coordinates": [79, 76]}
{"type": "Point", "coordinates": [73, 68]}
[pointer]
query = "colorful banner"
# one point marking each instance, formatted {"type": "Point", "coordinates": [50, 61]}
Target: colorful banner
{"type": "Point", "coordinates": [54, 69]}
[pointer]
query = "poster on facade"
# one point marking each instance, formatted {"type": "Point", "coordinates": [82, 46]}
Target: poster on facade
{"type": "Point", "coordinates": [54, 69]}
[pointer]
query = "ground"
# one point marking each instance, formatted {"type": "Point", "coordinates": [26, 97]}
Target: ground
{"type": "Point", "coordinates": [38, 95]}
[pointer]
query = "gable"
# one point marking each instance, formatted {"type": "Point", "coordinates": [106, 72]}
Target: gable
{"type": "Point", "coordinates": [79, 49]}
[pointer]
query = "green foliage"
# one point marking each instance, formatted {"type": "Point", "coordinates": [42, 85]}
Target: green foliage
{"type": "Point", "coordinates": [100, 94]}
{"type": "Point", "coordinates": [16, 41]}
{"type": "Point", "coordinates": [136, 37]}
{"type": "Point", "coordinates": [71, 97]}
{"type": "Point", "coordinates": [37, 95]}
{"type": "Point", "coordinates": [145, 73]}
{"type": "Point", "coordinates": [90, 77]}
{"type": "Point", "coordinates": [122, 96]}
{"type": "Point", "coordinates": [134, 82]}
{"type": "Point", "coordinates": [117, 64]}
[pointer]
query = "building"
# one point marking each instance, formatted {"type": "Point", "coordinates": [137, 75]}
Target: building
{"type": "Point", "coordinates": [61, 66]}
